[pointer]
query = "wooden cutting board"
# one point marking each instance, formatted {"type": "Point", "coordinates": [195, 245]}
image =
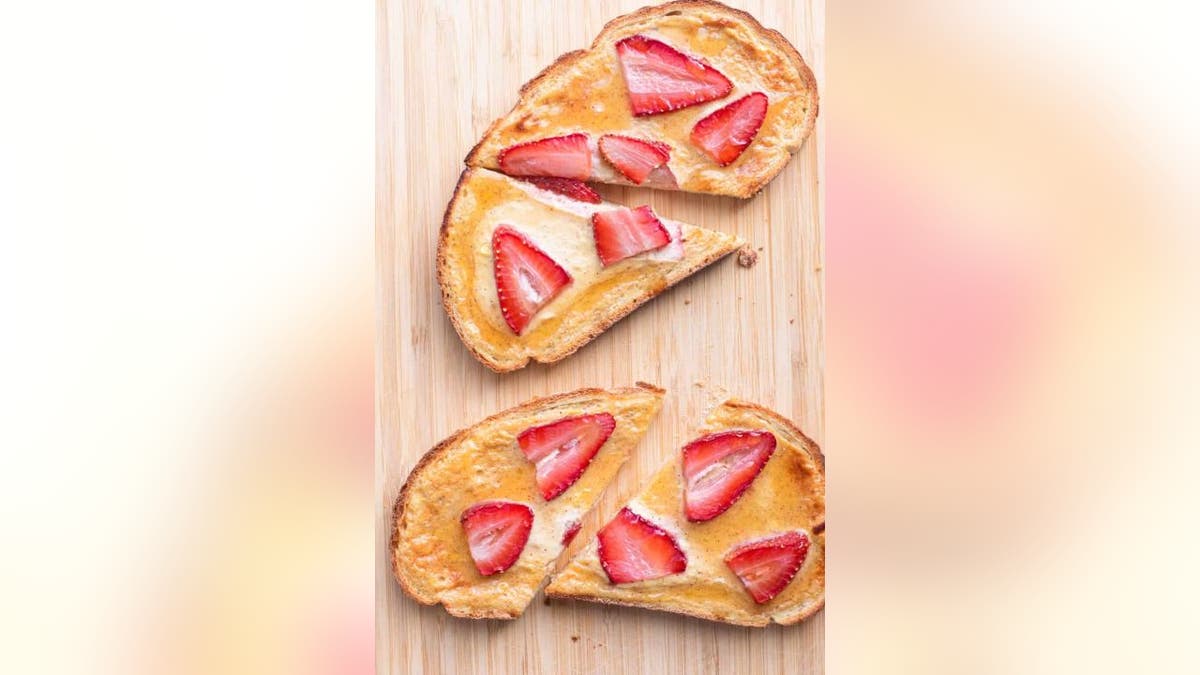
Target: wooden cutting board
{"type": "Point", "coordinates": [446, 70]}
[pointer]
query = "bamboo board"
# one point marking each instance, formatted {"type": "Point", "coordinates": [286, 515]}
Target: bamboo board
{"type": "Point", "coordinates": [445, 71]}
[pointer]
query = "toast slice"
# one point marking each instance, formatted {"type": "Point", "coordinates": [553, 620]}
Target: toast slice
{"type": "Point", "coordinates": [758, 527]}
{"type": "Point", "coordinates": [503, 236]}
{"type": "Point", "coordinates": [728, 100]}
{"type": "Point", "coordinates": [436, 556]}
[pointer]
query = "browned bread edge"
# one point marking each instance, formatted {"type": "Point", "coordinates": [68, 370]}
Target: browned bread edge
{"type": "Point", "coordinates": [570, 348]}
{"type": "Point", "coordinates": [814, 451]}
{"type": "Point", "coordinates": [771, 35]}
{"type": "Point", "coordinates": [402, 497]}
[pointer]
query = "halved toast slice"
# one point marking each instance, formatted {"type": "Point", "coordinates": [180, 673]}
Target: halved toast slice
{"type": "Point", "coordinates": [528, 273]}
{"type": "Point", "coordinates": [717, 102]}
{"type": "Point", "coordinates": [484, 515]}
{"type": "Point", "coordinates": [732, 529]}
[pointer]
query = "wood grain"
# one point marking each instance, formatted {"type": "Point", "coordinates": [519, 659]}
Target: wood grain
{"type": "Point", "coordinates": [446, 70]}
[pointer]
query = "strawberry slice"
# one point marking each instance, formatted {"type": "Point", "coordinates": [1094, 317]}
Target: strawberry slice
{"type": "Point", "coordinates": [562, 156]}
{"type": "Point", "coordinates": [660, 78]}
{"type": "Point", "coordinates": [662, 178]}
{"type": "Point", "coordinates": [562, 450]}
{"type": "Point", "coordinates": [568, 187]}
{"type": "Point", "coordinates": [725, 133]}
{"type": "Point", "coordinates": [767, 566]}
{"type": "Point", "coordinates": [496, 534]}
{"type": "Point", "coordinates": [719, 467]}
{"type": "Point", "coordinates": [632, 548]}
{"type": "Point", "coordinates": [621, 233]}
{"type": "Point", "coordinates": [633, 157]}
{"type": "Point", "coordinates": [526, 278]}
{"type": "Point", "coordinates": [570, 532]}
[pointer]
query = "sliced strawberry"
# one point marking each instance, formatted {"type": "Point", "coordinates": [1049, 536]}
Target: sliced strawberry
{"type": "Point", "coordinates": [570, 532]}
{"type": "Point", "coordinates": [633, 157]}
{"type": "Point", "coordinates": [562, 450]}
{"type": "Point", "coordinates": [662, 178]}
{"type": "Point", "coordinates": [725, 133]}
{"type": "Point", "coordinates": [767, 566]}
{"type": "Point", "coordinates": [660, 78]}
{"type": "Point", "coordinates": [568, 187]}
{"type": "Point", "coordinates": [719, 467]}
{"type": "Point", "coordinates": [621, 233]}
{"type": "Point", "coordinates": [496, 534]}
{"type": "Point", "coordinates": [634, 549]}
{"type": "Point", "coordinates": [526, 278]}
{"type": "Point", "coordinates": [562, 156]}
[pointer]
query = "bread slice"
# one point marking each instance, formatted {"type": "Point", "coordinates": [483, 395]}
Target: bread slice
{"type": "Point", "coordinates": [788, 495]}
{"type": "Point", "coordinates": [430, 556]}
{"type": "Point", "coordinates": [585, 91]}
{"type": "Point", "coordinates": [561, 227]}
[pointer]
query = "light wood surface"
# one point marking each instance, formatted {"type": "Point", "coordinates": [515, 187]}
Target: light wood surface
{"type": "Point", "coordinates": [446, 70]}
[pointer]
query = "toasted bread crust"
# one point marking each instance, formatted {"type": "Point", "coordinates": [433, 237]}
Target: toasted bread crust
{"type": "Point", "coordinates": [621, 310]}
{"type": "Point", "coordinates": [407, 584]}
{"type": "Point", "coordinates": [810, 446]}
{"type": "Point", "coordinates": [814, 451]}
{"type": "Point", "coordinates": [773, 37]}
{"type": "Point", "coordinates": [788, 618]}
{"type": "Point", "coordinates": [809, 611]}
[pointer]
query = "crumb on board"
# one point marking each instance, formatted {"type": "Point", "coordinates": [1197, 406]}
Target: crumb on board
{"type": "Point", "coordinates": [574, 638]}
{"type": "Point", "coordinates": [791, 321]}
{"type": "Point", "coordinates": [747, 257]}
{"type": "Point", "coordinates": [687, 302]}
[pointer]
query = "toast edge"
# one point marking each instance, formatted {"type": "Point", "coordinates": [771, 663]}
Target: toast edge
{"type": "Point", "coordinates": [448, 300]}
{"type": "Point", "coordinates": [814, 450]}
{"type": "Point", "coordinates": [773, 36]}
{"type": "Point", "coordinates": [401, 503]}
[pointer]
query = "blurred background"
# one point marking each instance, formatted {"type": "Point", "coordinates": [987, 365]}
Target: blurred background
{"type": "Point", "coordinates": [1012, 300]}
{"type": "Point", "coordinates": [187, 208]}
{"type": "Point", "coordinates": [186, 380]}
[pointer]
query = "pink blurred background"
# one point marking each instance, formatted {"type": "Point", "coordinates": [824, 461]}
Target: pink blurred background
{"type": "Point", "coordinates": [1007, 278]}
{"type": "Point", "coordinates": [187, 195]}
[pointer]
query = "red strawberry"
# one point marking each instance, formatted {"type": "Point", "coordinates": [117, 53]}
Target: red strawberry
{"type": "Point", "coordinates": [568, 187]}
{"type": "Point", "coordinates": [662, 178]}
{"type": "Point", "coordinates": [635, 549]}
{"type": "Point", "coordinates": [562, 450]}
{"type": "Point", "coordinates": [570, 532]}
{"type": "Point", "coordinates": [561, 156]}
{"type": "Point", "coordinates": [526, 278]}
{"type": "Point", "coordinates": [623, 232]}
{"type": "Point", "coordinates": [719, 467]}
{"type": "Point", "coordinates": [725, 133]}
{"type": "Point", "coordinates": [768, 565]}
{"type": "Point", "coordinates": [660, 78]}
{"type": "Point", "coordinates": [496, 534]}
{"type": "Point", "coordinates": [633, 157]}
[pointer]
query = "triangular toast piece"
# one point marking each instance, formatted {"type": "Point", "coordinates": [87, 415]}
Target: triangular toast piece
{"type": "Point", "coordinates": [675, 77]}
{"type": "Point", "coordinates": [784, 500]}
{"type": "Point", "coordinates": [503, 236]}
{"type": "Point", "coordinates": [436, 556]}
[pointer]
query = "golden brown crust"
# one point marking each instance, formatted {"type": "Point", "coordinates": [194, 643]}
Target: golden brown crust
{"type": "Point", "coordinates": [621, 310]}
{"type": "Point", "coordinates": [443, 285]}
{"type": "Point", "coordinates": [813, 450]}
{"type": "Point", "coordinates": [562, 63]}
{"type": "Point", "coordinates": [810, 446]}
{"type": "Point", "coordinates": [773, 37]}
{"type": "Point", "coordinates": [816, 607]}
{"type": "Point", "coordinates": [402, 498]}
